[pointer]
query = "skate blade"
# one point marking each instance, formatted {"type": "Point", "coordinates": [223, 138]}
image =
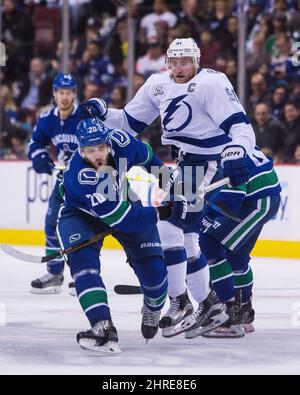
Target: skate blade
{"type": "Point", "coordinates": [216, 321]}
{"type": "Point", "coordinates": [46, 291]}
{"type": "Point", "coordinates": [72, 292]}
{"type": "Point", "coordinates": [108, 348]}
{"type": "Point", "coordinates": [188, 322]}
{"type": "Point", "coordinates": [234, 332]}
{"type": "Point", "coordinates": [173, 330]}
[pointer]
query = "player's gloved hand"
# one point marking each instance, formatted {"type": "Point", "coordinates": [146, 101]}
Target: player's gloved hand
{"type": "Point", "coordinates": [92, 108]}
{"type": "Point", "coordinates": [42, 163]}
{"type": "Point", "coordinates": [233, 161]}
{"type": "Point", "coordinates": [165, 211]}
{"type": "Point", "coordinates": [211, 212]}
{"type": "Point", "coordinates": [184, 211]}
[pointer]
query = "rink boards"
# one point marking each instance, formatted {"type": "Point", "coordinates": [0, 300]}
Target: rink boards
{"type": "Point", "coordinates": [24, 196]}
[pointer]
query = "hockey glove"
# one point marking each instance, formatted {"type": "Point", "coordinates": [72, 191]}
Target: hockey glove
{"type": "Point", "coordinates": [211, 212]}
{"type": "Point", "coordinates": [184, 212]}
{"type": "Point", "coordinates": [92, 108]}
{"type": "Point", "coordinates": [164, 212]}
{"type": "Point", "coordinates": [233, 161]}
{"type": "Point", "coordinates": [42, 163]}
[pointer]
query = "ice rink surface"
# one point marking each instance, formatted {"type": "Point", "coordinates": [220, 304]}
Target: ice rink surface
{"type": "Point", "coordinates": [37, 332]}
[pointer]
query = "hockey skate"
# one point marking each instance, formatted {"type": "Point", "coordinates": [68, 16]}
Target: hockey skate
{"type": "Point", "coordinates": [180, 308]}
{"type": "Point", "coordinates": [248, 314]}
{"type": "Point", "coordinates": [47, 284]}
{"type": "Point", "coordinates": [233, 328]}
{"type": "Point", "coordinates": [150, 321]}
{"type": "Point", "coordinates": [209, 315]}
{"type": "Point", "coordinates": [102, 338]}
{"type": "Point", "coordinates": [72, 289]}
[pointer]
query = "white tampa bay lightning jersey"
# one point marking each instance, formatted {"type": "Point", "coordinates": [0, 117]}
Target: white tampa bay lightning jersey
{"type": "Point", "coordinates": [201, 116]}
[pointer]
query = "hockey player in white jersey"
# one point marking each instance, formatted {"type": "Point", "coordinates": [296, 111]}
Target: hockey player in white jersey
{"type": "Point", "coordinates": [202, 116]}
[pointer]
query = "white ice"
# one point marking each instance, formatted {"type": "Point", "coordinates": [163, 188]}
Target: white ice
{"type": "Point", "coordinates": [37, 333]}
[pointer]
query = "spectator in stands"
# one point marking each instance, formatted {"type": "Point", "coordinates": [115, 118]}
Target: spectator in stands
{"type": "Point", "coordinates": [256, 55]}
{"type": "Point", "coordinates": [269, 133]}
{"type": "Point", "coordinates": [7, 102]}
{"type": "Point", "coordinates": [193, 18]}
{"type": "Point", "coordinates": [35, 89]}
{"type": "Point", "coordinates": [118, 97]}
{"type": "Point", "coordinates": [55, 62]}
{"type": "Point", "coordinates": [162, 29]}
{"type": "Point", "coordinates": [292, 129]}
{"type": "Point", "coordinates": [297, 154]}
{"type": "Point", "coordinates": [279, 97]}
{"type": "Point", "coordinates": [160, 12]}
{"type": "Point", "coordinates": [209, 48]}
{"type": "Point", "coordinates": [218, 18]}
{"type": "Point", "coordinates": [280, 28]}
{"type": "Point", "coordinates": [282, 65]}
{"type": "Point", "coordinates": [153, 61]}
{"type": "Point", "coordinates": [17, 35]}
{"type": "Point", "coordinates": [295, 91]}
{"type": "Point", "coordinates": [90, 90]}
{"type": "Point", "coordinates": [231, 72]}
{"type": "Point", "coordinates": [117, 44]}
{"type": "Point", "coordinates": [12, 139]}
{"type": "Point", "coordinates": [229, 39]}
{"type": "Point", "coordinates": [263, 27]}
{"type": "Point", "coordinates": [138, 81]}
{"type": "Point", "coordinates": [259, 92]}
{"type": "Point", "coordinates": [91, 34]}
{"type": "Point", "coordinates": [97, 68]}
{"type": "Point", "coordinates": [254, 13]}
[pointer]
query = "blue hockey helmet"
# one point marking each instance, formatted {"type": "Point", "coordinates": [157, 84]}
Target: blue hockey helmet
{"type": "Point", "coordinates": [91, 131]}
{"type": "Point", "coordinates": [64, 81]}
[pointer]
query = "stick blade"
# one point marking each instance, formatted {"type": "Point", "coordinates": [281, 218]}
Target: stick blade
{"type": "Point", "coordinates": [9, 250]}
{"type": "Point", "coordinates": [127, 289]}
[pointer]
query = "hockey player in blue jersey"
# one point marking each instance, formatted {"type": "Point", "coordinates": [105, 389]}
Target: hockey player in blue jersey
{"type": "Point", "coordinates": [202, 116]}
{"type": "Point", "coordinates": [227, 244]}
{"type": "Point", "coordinates": [94, 202]}
{"type": "Point", "coordinates": [56, 126]}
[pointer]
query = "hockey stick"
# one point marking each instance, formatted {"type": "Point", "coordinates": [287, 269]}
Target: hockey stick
{"type": "Point", "coordinates": [9, 250]}
{"type": "Point", "coordinates": [127, 289]}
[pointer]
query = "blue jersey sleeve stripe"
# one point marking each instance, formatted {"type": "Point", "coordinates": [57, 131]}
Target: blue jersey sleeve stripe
{"type": "Point", "coordinates": [234, 119]}
{"type": "Point", "coordinates": [207, 143]}
{"type": "Point", "coordinates": [135, 124]}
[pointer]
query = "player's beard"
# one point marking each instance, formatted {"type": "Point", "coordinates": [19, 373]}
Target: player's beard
{"type": "Point", "coordinates": [99, 165]}
{"type": "Point", "coordinates": [66, 107]}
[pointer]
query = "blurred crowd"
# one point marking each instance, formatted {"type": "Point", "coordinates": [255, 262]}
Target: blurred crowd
{"type": "Point", "coordinates": [31, 32]}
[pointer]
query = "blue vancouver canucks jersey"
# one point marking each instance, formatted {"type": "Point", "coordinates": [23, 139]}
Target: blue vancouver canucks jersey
{"type": "Point", "coordinates": [62, 134]}
{"type": "Point", "coordinates": [100, 194]}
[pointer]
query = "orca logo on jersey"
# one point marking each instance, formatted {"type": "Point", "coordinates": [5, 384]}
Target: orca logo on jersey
{"type": "Point", "coordinates": [173, 107]}
{"type": "Point", "coordinates": [88, 176]}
